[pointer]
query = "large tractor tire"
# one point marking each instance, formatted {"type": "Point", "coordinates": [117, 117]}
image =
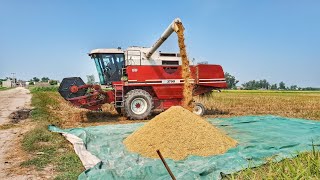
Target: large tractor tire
{"type": "Point", "coordinates": [138, 104]}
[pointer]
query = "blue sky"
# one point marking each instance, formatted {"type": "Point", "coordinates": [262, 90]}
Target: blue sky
{"type": "Point", "coordinates": [277, 40]}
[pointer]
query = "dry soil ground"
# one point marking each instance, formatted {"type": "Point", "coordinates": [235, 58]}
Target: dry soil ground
{"type": "Point", "coordinates": [10, 101]}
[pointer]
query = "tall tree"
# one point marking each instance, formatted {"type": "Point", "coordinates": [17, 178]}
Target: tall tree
{"type": "Point", "coordinates": [53, 82]}
{"type": "Point", "coordinates": [274, 86]}
{"type": "Point", "coordinates": [293, 87]}
{"type": "Point", "coordinates": [35, 79]}
{"type": "Point", "coordinates": [90, 79]}
{"type": "Point", "coordinates": [250, 85]}
{"type": "Point", "coordinates": [45, 79]}
{"type": "Point", "coordinates": [231, 81]}
{"type": "Point", "coordinates": [259, 84]}
{"type": "Point", "coordinates": [282, 85]}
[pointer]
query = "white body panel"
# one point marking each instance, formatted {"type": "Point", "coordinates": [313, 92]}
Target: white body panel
{"type": "Point", "coordinates": [137, 56]}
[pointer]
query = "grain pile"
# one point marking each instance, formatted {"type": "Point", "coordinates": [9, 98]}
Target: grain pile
{"type": "Point", "coordinates": [178, 133]}
{"type": "Point", "coordinates": [187, 87]}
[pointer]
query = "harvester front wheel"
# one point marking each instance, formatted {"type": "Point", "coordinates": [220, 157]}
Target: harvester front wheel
{"type": "Point", "coordinates": [138, 104]}
{"type": "Point", "coordinates": [199, 109]}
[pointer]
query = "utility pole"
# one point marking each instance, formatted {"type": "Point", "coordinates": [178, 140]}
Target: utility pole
{"type": "Point", "coordinates": [13, 83]}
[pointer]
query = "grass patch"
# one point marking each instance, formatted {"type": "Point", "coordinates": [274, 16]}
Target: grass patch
{"type": "Point", "coordinates": [68, 165]}
{"type": "Point", "coordinates": [48, 148]}
{"type": "Point", "coordinates": [304, 166]}
{"type": "Point", "coordinates": [36, 140]}
{"type": "Point", "coordinates": [34, 89]}
{"type": "Point", "coordinates": [42, 103]}
{"type": "Point", "coordinates": [4, 88]}
{"type": "Point", "coordinates": [39, 162]}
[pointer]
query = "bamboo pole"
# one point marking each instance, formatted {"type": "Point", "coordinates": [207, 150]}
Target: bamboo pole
{"type": "Point", "coordinates": [166, 165]}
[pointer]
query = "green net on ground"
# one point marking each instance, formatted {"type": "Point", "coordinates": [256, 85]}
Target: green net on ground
{"type": "Point", "coordinates": [259, 137]}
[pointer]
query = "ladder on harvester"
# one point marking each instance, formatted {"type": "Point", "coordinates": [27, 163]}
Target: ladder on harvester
{"type": "Point", "coordinates": [118, 95]}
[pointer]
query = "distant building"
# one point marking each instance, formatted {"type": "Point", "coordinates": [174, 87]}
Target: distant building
{"type": "Point", "coordinates": [21, 83]}
{"type": "Point", "coordinates": [8, 83]}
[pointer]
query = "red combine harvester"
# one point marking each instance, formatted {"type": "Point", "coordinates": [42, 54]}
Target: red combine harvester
{"type": "Point", "coordinates": [141, 80]}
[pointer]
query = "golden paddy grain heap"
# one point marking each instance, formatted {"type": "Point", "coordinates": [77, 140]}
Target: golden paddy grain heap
{"type": "Point", "coordinates": [177, 133]}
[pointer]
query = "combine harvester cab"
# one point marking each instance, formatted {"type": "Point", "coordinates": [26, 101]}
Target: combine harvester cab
{"type": "Point", "coordinates": [141, 80]}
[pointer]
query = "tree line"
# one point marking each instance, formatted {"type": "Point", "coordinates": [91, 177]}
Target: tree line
{"type": "Point", "coordinates": [34, 80]}
{"type": "Point", "coordinates": [43, 79]}
{"type": "Point", "coordinates": [262, 84]}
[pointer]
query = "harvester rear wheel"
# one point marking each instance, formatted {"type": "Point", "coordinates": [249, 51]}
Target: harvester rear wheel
{"type": "Point", "coordinates": [199, 109]}
{"type": "Point", "coordinates": [138, 104]}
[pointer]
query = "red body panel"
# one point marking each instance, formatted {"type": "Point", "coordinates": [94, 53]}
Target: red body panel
{"type": "Point", "coordinates": [168, 91]}
{"type": "Point", "coordinates": [167, 82]}
{"type": "Point", "coordinates": [207, 71]}
{"type": "Point", "coordinates": [143, 73]}
{"type": "Point", "coordinates": [164, 84]}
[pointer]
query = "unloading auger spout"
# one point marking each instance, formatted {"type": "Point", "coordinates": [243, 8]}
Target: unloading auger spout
{"type": "Point", "coordinates": [170, 29]}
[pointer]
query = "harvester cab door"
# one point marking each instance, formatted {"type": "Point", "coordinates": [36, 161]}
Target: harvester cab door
{"type": "Point", "coordinates": [109, 66]}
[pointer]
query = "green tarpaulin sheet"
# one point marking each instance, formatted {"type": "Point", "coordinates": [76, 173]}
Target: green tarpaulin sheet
{"type": "Point", "coordinates": [259, 137]}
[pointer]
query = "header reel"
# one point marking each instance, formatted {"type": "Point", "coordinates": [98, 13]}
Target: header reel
{"type": "Point", "coordinates": [88, 96]}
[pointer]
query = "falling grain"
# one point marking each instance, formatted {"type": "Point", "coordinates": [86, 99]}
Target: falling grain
{"type": "Point", "coordinates": [187, 87]}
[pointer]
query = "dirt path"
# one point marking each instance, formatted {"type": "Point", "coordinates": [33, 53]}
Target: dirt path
{"type": "Point", "coordinates": [10, 101]}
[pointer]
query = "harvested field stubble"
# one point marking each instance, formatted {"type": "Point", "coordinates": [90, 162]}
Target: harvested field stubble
{"type": "Point", "coordinates": [295, 104]}
{"type": "Point", "coordinates": [178, 133]}
{"type": "Point", "coordinates": [66, 115]}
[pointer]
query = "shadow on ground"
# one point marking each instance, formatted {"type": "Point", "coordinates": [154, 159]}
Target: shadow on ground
{"type": "Point", "coordinates": [216, 112]}
{"type": "Point", "coordinates": [94, 116]}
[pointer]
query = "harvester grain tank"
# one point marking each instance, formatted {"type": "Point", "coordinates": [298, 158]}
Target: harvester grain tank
{"type": "Point", "coordinates": [141, 80]}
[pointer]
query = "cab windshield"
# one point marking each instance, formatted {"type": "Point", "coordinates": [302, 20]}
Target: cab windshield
{"type": "Point", "coordinates": [109, 67]}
